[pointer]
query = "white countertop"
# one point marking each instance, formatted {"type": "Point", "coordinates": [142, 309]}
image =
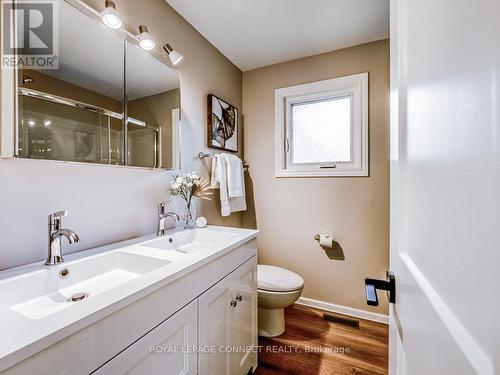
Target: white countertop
{"type": "Point", "coordinates": [22, 337]}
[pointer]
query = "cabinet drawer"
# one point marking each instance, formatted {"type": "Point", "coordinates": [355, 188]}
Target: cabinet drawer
{"type": "Point", "coordinates": [164, 350]}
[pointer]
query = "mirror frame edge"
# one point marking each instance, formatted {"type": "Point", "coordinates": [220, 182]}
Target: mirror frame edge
{"type": "Point", "coordinates": [8, 106]}
{"type": "Point", "coordinates": [9, 99]}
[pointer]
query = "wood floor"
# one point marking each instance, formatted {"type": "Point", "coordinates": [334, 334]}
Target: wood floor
{"type": "Point", "coordinates": [312, 345]}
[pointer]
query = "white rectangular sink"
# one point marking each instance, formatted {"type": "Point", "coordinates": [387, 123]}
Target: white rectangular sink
{"type": "Point", "coordinates": [193, 240]}
{"type": "Point", "coordinates": [44, 292]}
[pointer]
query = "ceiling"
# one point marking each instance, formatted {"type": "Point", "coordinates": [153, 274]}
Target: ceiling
{"type": "Point", "coordinates": [256, 33]}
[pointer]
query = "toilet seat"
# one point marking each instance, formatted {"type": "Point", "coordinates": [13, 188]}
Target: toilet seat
{"type": "Point", "coordinates": [277, 279]}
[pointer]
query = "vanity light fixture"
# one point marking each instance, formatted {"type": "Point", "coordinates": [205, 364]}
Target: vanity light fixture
{"type": "Point", "coordinates": [110, 17]}
{"type": "Point", "coordinates": [145, 40]}
{"type": "Point", "coordinates": [174, 56]}
{"type": "Point", "coordinates": [31, 123]}
{"type": "Point", "coordinates": [47, 123]}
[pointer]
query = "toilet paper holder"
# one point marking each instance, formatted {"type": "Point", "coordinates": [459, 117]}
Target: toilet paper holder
{"type": "Point", "coordinates": [317, 236]}
{"type": "Point", "coordinates": [321, 237]}
{"type": "Point", "coordinates": [332, 248]}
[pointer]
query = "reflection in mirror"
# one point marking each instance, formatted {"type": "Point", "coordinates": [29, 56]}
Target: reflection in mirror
{"type": "Point", "coordinates": [75, 113]}
{"type": "Point", "coordinates": [78, 112]}
{"type": "Point", "coordinates": [153, 101]}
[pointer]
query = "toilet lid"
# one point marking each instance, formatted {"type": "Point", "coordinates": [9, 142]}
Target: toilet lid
{"type": "Point", "coordinates": [276, 279]}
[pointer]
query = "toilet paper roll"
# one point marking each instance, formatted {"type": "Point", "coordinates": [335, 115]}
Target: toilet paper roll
{"type": "Point", "coordinates": [326, 241]}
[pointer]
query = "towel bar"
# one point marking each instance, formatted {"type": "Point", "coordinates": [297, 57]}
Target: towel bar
{"type": "Point", "coordinates": [203, 155]}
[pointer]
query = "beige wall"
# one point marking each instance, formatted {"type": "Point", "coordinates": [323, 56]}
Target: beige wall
{"type": "Point", "coordinates": [204, 70]}
{"type": "Point", "coordinates": [156, 110]}
{"type": "Point", "coordinates": [289, 211]}
{"type": "Point", "coordinates": [125, 198]}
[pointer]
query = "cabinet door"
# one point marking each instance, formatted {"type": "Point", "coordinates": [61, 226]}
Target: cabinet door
{"type": "Point", "coordinates": [243, 319]}
{"type": "Point", "coordinates": [228, 323]}
{"type": "Point", "coordinates": [165, 350]}
{"type": "Point", "coordinates": [213, 317]}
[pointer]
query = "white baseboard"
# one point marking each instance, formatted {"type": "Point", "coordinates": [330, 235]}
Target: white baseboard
{"type": "Point", "coordinates": [362, 314]}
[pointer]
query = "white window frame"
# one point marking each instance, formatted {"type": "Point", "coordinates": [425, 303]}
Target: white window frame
{"type": "Point", "coordinates": [353, 86]}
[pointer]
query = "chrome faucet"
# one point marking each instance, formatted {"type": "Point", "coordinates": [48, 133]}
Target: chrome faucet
{"type": "Point", "coordinates": [55, 234]}
{"type": "Point", "coordinates": [162, 215]}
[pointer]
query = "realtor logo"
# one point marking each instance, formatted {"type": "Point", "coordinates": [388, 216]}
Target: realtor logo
{"type": "Point", "coordinates": [29, 34]}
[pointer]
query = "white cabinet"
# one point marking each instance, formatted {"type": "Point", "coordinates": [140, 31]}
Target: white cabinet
{"type": "Point", "coordinates": [221, 324]}
{"type": "Point", "coordinates": [166, 350]}
{"type": "Point", "coordinates": [228, 323]}
{"type": "Point", "coordinates": [214, 329]}
{"type": "Point", "coordinates": [243, 319]}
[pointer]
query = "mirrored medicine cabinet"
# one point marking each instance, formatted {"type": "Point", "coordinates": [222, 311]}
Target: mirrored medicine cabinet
{"type": "Point", "coordinates": [109, 101]}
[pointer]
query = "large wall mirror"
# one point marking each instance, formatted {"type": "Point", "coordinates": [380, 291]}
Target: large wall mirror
{"type": "Point", "coordinates": [109, 102]}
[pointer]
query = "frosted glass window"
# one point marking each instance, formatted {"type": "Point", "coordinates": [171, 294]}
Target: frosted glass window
{"type": "Point", "coordinates": [321, 128]}
{"type": "Point", "coordinates": [321, 131]}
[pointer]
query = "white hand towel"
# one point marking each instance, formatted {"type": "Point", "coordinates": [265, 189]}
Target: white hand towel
{"type": "Point", "coordinates": [215, 176]}
{"type": "Point", "coordinates": [235, 176]}
{"type": "Point", "coordinates": [219, 179]}
{"type": "Point", "coordinates": [237, 203]}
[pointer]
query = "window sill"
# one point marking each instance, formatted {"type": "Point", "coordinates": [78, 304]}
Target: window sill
{"type": "Point", "coordinates": [284, 173]}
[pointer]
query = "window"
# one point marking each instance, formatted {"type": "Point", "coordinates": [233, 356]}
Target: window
{"type": "Point", "coordinates": [322, 128]}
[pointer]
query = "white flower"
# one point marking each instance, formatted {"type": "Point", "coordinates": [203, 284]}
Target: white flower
{"type": "Point", "coordinates": [179, 180]}
{"type": "Point", "coordinates": [189, 184]}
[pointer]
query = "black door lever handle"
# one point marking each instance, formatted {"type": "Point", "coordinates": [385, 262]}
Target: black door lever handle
{"type": "Point", "coordinates": [371, 286]}
{"type": "Point", "coordinates": [371, 295]}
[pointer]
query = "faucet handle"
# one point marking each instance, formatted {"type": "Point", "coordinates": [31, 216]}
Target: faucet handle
{"type": "Point", "coordinates": [55, 218]}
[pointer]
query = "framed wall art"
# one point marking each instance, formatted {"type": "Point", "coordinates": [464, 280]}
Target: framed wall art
{"type": "Point", "coordinates": [222, 124]}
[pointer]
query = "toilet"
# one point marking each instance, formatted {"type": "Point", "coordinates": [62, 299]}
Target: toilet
{"type": "Point", "coordinates": [277, 288]}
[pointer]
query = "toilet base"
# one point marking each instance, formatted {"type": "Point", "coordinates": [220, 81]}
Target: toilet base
{"type": "Point", "coordinates": [271, 322]}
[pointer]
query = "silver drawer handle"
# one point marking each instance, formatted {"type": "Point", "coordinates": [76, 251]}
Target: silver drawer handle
{"type": "Point", "coordinates": [239, 297]}
{"type": "Point", "coordinates": [233, 303]}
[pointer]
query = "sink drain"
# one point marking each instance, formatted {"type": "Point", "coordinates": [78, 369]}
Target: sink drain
{"type": "Point", "coordinates": [78, 297]}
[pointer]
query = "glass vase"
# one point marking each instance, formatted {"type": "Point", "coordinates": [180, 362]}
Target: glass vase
{"type": "Point", "coordinates": [189, 217]}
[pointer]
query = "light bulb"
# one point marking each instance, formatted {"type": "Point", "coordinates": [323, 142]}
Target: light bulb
{"type": "Point", "coordinates": [145, 41]}
{"type": "Point", "coordinates": [110, 17]}
{"type": "Point", "coordinates": [174, 56]}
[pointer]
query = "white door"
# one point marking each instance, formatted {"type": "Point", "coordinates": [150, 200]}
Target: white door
{"type": "Point", "coordinates": [445, 186]}
{"type": "Point", "coordinates": [243, 318]}
{"type": "Point", "coordinates": [166, 350]}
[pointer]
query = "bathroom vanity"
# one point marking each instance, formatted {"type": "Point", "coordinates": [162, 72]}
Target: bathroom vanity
{"type": "Point", "coordinates": [183, 303]}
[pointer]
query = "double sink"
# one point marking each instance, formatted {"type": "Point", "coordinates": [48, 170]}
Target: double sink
{"type": "Point", "coordinates": [43, 291]}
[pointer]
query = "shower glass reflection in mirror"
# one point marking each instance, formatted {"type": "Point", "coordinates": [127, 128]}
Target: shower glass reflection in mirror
{"type": "Point", "coordinates": [153, 95]}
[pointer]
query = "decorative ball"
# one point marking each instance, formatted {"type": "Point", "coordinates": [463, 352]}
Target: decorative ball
{"type": "Point", "coordinates": [201, 222]}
